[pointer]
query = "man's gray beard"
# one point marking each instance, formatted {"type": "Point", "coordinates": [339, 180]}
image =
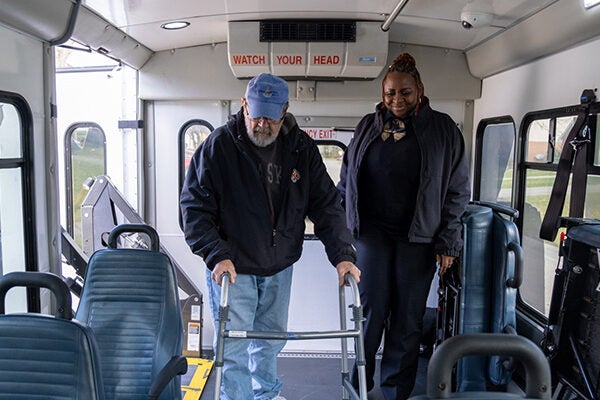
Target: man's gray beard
{"type": "Point", "coordinates": [260, 141]}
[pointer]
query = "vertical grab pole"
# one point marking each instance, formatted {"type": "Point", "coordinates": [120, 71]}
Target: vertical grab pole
{"type": "Point", "coordinates": [223, 317]}
{"type": "Point", "coordinates": [357, 312]}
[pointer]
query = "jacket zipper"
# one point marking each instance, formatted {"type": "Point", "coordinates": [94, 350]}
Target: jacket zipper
{"type": "Point", "coordinates": [262, 181]}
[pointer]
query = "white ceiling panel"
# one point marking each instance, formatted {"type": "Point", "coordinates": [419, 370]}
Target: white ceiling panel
{"type": "Point", "coordinates": [123, 13]}
{"type": "Point", "coordinates": [210, 29]}
{"type": "Point", "coordinates": [426, 22]}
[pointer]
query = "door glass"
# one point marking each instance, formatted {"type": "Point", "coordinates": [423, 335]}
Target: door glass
{"type": "Point", "coordinates": [88, 160]}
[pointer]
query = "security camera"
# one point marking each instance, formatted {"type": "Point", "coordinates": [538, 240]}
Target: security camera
{"type": "Point", "coordinates": [476, 14]}
{"type": "Point", "coordinates": [471, 19]}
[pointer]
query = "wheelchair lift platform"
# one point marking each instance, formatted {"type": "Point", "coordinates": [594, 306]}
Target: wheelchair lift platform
{"type": "Point", "coordinates": [194, 381]}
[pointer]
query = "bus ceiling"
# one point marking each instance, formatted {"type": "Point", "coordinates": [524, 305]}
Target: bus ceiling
{"type": "Point", "coordinates": [507, 34]}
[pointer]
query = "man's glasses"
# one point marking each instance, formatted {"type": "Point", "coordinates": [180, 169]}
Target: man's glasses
{"type": "Point", "coordinates": [263, 119]}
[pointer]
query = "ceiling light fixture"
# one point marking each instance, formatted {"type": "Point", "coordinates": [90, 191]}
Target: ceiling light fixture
{"type": "Point", "coordinates": [174, 25]}
{"type": "Point", "coordinates": [590, 3]}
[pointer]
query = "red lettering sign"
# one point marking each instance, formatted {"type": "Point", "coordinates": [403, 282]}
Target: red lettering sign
{"type": "Point", "coordinates": [249, 59]}
{"type": "Point", "coordinates": [292, 59]}
{"type": "Point", "coordinates": [320, 133]}
{"type": "Point", "coordinates": [326, 60]}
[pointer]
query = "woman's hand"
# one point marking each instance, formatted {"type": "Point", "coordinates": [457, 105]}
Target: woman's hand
{"type": "Point", "coordinates": [444, 262]}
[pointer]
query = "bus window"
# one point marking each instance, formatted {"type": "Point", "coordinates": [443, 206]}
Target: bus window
{"type": "Point", "coordinates": [545, 138]}
{"type": "Point", "coordinates": [538, 141]}
{"type": "Point", "coordinates": [332, 153]}
{"type": "Point", "coordinates": [85, 159]}
{"type": "Point", "coordinates": [191, 135]}
{"type": "Point", "coordinates": [562, 127]}
{"type": "Point", "coordinates": [17, 225]}
{"type": "Point", "coordinates": [543, 142]}
{"type": "Point", "coordinates": [495, 144]}
{"type": "Point", "coordinates": [546, 133]}
{"type": "Point", "coordinates": [596, 141]}
{"type": "Point", "coordinates": [592, 197]}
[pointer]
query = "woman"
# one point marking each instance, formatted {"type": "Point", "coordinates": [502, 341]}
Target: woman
{"type": "Point", "coordinates": [405, 185]}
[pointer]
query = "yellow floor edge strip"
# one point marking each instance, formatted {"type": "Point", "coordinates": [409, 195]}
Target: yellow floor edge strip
{"type": "Point", "coordinates": [193, 391]}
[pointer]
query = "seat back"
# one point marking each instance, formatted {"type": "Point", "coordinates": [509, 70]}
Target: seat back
{"type": "Point", "coordinates": [475, 276]}
{"type": "Point", "coordinates": [46, 357]}
{"type": "Point", "coordinates": [490, 273]}
{"type": "Point", "coordinates": [506, 278]}
{"type": "Point", "coordinates": [130, 300]}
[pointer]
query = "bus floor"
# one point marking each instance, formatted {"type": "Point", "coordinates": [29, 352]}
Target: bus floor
{"type": "Point", "coordinates": [318, 378]}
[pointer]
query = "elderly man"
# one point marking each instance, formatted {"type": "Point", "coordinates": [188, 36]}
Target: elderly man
{"type": "Point", "coordinates": [249, 187]}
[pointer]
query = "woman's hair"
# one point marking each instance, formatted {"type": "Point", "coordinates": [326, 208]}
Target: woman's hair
{"type": "Point", "coordinates": [406, 63]}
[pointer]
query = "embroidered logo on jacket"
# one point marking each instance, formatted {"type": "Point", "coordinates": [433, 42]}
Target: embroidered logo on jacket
{"type": "Point", "coordinates": [295, 176]}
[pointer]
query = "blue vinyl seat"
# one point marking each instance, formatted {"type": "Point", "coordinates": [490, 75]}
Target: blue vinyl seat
{"type": "Point", "coordinates": [130, 300]}
{"type": "Point", "coordinates": [42, 356]}
{"type": "Point", "coordinates": [491, 262]}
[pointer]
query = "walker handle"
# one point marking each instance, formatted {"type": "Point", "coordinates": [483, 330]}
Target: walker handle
{"type": "Point", "coordinates": [349, 279]}
{"type": "Point", "coordinates": [225, 278]}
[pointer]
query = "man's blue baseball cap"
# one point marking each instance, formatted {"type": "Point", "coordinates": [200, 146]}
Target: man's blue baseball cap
{"type": "Point", "coordinates": [266, 95]}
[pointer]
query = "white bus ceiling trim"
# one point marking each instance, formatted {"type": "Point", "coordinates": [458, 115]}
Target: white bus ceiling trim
{"type": "Point", "coordinates": [43, 19]}
{"type": "Point", "coordinates": [94, 31]}
{"type": "Point", "coordinates": [543, 34]}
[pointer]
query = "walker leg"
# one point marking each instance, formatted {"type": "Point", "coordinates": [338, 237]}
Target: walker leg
{"type": "Point", "coordinates": [218, 371]}
{"type": "Point", "coordinates": [345, 370]}
{"type": "Point", "coordinates": [357, 316]}
{"type": "Point", "coordinates": [360, 354]}
{"type": "Point", "coordinates": [220, 350]}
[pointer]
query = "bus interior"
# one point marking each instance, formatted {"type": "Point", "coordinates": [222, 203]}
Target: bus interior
{"type": "Point", "coordinates": [103, 103]}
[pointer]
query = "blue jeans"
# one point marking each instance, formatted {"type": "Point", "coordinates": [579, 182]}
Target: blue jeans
{"type": "Point", "coordinates": [256, 303]}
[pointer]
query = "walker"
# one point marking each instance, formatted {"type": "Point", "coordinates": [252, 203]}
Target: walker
{"type": "Point", "coordinates": [348, 391]}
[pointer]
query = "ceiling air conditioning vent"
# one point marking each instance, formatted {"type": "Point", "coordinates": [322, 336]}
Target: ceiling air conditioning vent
{"type": "Point", "coordinates": [307, 31]}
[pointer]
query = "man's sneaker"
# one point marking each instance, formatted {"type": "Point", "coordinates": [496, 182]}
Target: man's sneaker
{"type": "Point", "coordinates": [278, 398]}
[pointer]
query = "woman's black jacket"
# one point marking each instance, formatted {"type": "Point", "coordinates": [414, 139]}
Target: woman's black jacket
{"type": "Point", "coordinates": [444, 189]}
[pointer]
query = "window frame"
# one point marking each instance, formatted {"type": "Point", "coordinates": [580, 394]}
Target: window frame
{"type": "Point", "coordinates": [524, 166]}
{"type": "Point", "coordinates": [181, 151]}
{"type": "Point", "coordinates": [69, 168]}
{"type": "Point", "coordinates": [26, 165]}
{"type": "Point", "coordinates": [479, 136]}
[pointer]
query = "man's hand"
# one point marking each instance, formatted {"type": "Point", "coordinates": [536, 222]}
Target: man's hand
{"type": "Point", "coordinates": [225, 266]}
{"type": "Point", "coordinates": [445, 262]}
{"type": "Point", "coordinates": [346, 267]}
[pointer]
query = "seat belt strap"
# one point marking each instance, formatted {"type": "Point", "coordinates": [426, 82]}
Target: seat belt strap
{"type": "Point", "coordinates": [549, 226]}
{"type": "Point", "coordinates": [579, 181]}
